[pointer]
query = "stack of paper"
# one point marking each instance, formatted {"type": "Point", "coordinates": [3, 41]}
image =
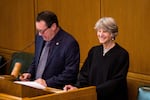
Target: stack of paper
{"type": "Point", "coordinates": [31, 84]}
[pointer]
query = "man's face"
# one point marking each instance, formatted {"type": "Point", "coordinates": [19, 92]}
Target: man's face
{"type": "Point", "coordinates": [43, 30]}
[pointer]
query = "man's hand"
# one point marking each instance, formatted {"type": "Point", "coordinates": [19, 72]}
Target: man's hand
{"type": "Point", "coordinates": [41, 81]}
{"type": "Point", "coordinates": [25, 77]}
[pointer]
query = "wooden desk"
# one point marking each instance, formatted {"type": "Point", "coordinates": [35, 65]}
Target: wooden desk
{"type": "Point", "coordinates": [12, 91]}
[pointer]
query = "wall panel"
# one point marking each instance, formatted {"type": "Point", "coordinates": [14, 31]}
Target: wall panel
{"type": "Point", "coordinates": [133, 19]}
{"type": "Point", "coordinates": [17, 24]}
{"type": "Point", "coordinates": [16, 28]}
{"type": "Point", "coordinates": [78, 17]}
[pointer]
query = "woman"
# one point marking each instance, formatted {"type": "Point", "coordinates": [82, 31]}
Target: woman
{"type": "Point", "coordinates": [106, 66]}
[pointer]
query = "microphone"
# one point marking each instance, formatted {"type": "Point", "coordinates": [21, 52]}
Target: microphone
{"type": "Point", "coordinates": [14, 74]}
{"type": "Point", "coordinates": [16, 70]}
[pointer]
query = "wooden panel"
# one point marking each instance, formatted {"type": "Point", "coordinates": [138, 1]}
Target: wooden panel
{"type": "Point", "coordinates": [28, 93]}
{"type": "Point", "coordinates": [11, 88]}
{"type": "Point", "coordinates": [87, 93]}
{"type": "Point", "coordinates": [133, 18]}
{"type": "Point", "coordinates": [78, 17]}
{"type": "Point", "coordinates": [9, 97]}
{"type": "Point", "coordinates": [17, 24]}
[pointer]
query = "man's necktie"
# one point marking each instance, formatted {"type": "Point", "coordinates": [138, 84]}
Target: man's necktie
{"type": "Point", "coordinates": [43, 60]}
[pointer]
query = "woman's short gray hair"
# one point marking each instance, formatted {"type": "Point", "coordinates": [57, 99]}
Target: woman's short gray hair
{"type": "Point", "coordinates": [107, 24]}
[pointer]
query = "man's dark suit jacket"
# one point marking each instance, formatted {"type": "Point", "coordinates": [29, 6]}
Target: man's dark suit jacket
{"type": "Point", "coordinates": [63, 60]}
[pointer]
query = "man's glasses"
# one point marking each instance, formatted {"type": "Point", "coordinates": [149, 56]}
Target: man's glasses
{"type": "Point", "coordinates": [42, 31]}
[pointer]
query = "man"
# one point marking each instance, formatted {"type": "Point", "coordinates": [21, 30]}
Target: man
{"type": "Point", "coordinates": [60, 65]}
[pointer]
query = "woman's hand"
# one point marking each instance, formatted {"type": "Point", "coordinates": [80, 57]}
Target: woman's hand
{"type": "Point", "coordinates": [69, 88]}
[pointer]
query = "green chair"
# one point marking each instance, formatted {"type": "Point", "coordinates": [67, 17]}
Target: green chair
{"type": "Point", "coordinates": [24, 58]}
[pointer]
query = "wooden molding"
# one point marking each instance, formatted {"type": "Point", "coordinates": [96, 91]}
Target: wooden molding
{"type": "Point", "coordinates": [139, 77]}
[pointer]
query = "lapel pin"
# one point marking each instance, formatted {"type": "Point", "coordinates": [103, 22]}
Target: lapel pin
{"type": "Point", "coordinates": [57, 43]}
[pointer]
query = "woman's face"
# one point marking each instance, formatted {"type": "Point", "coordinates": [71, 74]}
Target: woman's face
{"type": "Point", "coordinates": [104, 36]}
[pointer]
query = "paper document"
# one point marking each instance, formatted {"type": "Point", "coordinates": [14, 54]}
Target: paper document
{"type": "Point", "coordinates": [31, 84]}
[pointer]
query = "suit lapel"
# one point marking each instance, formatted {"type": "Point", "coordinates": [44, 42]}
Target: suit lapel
{"type": "Point", "coordinates": [55, 42]}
